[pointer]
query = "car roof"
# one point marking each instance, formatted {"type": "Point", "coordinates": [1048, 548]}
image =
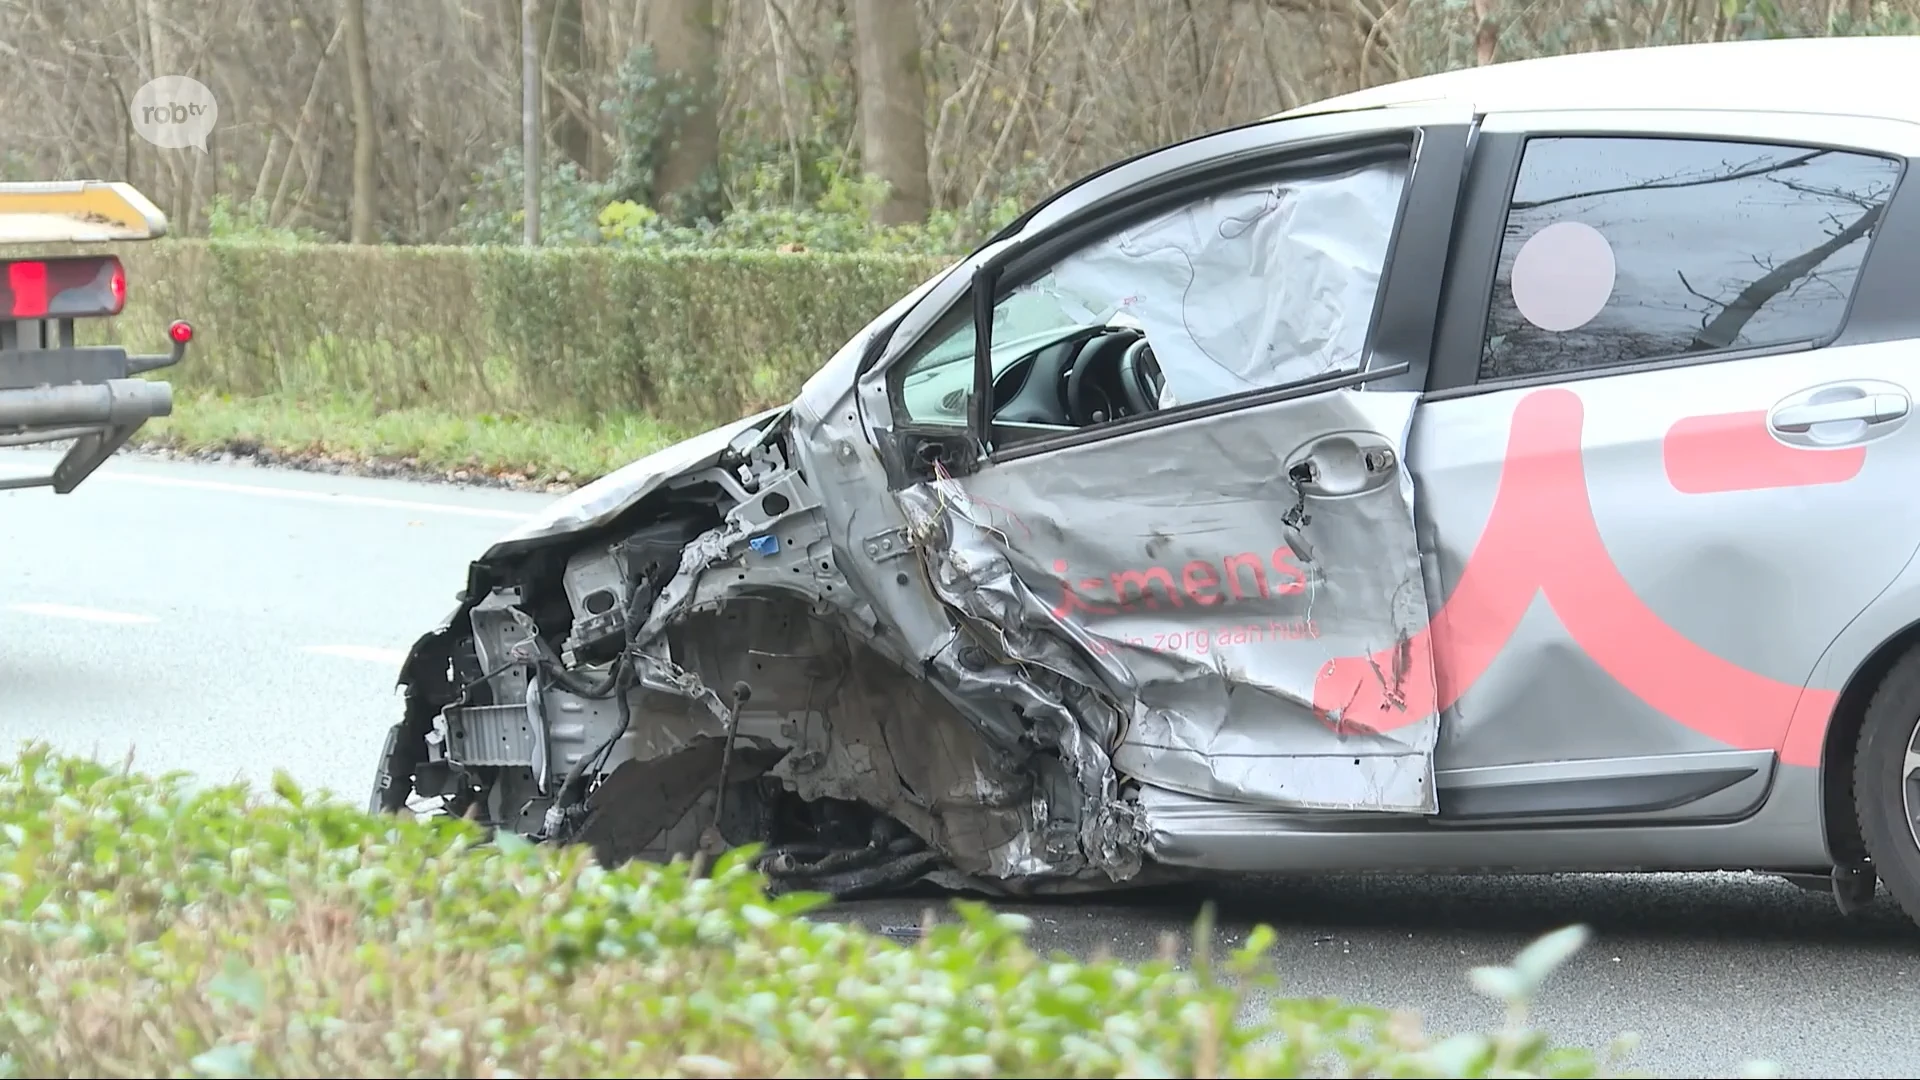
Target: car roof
{"type": "Point", "coordinates": [1856, 76]}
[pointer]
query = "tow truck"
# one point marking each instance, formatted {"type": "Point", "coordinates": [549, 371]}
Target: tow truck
{"type": "Point", "coordinates": [53, 389]}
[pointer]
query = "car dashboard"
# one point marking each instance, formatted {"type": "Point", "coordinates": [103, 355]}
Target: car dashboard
{"type": "Point", "coordinates": [1077, 382]}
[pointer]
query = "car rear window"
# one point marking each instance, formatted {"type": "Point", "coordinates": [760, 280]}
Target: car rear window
{"type": "Point", "coordinates": [1620, 250]}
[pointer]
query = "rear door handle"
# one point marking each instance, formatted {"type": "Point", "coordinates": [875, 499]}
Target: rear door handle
{"type": "Point", "coordinates": [1872, 408]}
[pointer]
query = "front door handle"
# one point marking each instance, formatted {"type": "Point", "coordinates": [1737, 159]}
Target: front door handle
{"type": "Point", "coordinates": [1872, 408]}
{"type": "Point", "coordinates": [1343, 463]}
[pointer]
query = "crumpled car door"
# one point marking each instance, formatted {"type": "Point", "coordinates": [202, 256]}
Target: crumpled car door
{"type": "Point", "coordinates": [1247, 586]}
{"type": "Point", "coordinates": [1228, 602]}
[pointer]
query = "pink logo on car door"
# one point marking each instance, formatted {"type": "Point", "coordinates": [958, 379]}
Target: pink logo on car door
{"type": "Point", "coordinates": [1541, 537]}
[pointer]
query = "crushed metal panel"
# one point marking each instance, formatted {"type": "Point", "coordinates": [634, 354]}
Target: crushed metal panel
{"type": "Point", "coordinates": [867, 529]}
{"type": "Point", "coordinates": [620, 490]}
{"type": "Point", "coordinates": [1014, 672]}
{"type": "Point", "coordinates": [1179, 594]}
{"type": "Point", "coordinates": [640, 799]}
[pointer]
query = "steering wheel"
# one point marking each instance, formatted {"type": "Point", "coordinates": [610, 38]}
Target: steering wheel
{"type": "Point", "coordinates": [1141, 378]}
{"type": "Point", "coordinates": [1078, 381]}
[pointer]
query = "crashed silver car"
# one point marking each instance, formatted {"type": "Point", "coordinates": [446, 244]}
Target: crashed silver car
{"type": "Point", "coordinates": [1502, 470]}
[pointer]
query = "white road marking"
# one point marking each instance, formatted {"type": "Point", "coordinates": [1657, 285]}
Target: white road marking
{"type": "Point", "coordinates": [298, 494]}
{"type": "Point", "coordinates": [84, 614]}
{"type": "Point", "coordinates": [390, 657]}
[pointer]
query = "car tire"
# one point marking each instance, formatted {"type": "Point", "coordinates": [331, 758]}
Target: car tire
{"type": "Point", "coordinates": [1886, 781]}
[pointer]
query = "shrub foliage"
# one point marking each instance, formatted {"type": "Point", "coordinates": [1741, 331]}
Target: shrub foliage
{"type": "Point", "coordinates": [154, 927]}
{"type": "Point", "coordinates": [563, 334]}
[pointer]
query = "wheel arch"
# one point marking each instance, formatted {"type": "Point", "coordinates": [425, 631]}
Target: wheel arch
{"type": "Point", "coordinates": [1842, 738]}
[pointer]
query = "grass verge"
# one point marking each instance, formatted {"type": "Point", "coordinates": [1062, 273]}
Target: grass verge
{"type": "Point", "coordinates": [154, 927]}
{"type": "Point", "coordinates": [350, 432]}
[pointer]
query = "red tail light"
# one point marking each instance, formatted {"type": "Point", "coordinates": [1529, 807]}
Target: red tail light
{"type": "Point", "coordinates": [64, 288]}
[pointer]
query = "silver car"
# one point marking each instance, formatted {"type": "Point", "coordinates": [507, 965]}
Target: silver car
{"type": "Point", "coordinates": [1502, 470]}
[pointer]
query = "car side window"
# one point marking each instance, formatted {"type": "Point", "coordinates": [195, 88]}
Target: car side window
{"type": "Point", "coordinates": [1619, 250]}
{"type": "Point", "coordinates": [1250, 288]}
{"type": "Point", "coordinates": [938, 383]}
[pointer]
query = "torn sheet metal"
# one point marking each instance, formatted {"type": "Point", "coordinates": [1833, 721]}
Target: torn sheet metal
{"type": "Point", "coordinates": [1251, 288]}
{"type": "Point", "coordinates": [1184, 615]}
{"type": "Point", "coordinates": [620, 490]}
{"type": "Point", "coordinates": [1012, 662]}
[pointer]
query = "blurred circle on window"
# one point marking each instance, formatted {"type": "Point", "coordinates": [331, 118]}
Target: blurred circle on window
{"type": "Point", "coordinates": [1563, 276]}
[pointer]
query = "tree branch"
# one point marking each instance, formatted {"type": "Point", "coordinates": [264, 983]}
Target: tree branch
{"type": "Point", "coordinates": [1665, 185]}
{"type": "Point", "coordinates": [1725, 328]}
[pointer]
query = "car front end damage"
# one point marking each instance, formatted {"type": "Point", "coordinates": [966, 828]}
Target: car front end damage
{"type": "Point", "coordinates": [768, 634]}
{"type": "Point", "coordinates": [685, 657]}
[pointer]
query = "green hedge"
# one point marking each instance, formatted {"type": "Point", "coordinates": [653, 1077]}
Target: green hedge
{"type": "Point", "coordinates": [151, 927]}
{"type": "Point", "coordinates": [694, 338]}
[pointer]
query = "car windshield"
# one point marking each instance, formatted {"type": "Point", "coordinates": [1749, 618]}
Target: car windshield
{"type": "Point", "coordinates": [1029, 317]}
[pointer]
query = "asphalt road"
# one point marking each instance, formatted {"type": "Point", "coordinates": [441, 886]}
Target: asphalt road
{"type": "Point", "coordinates": [231, 620]}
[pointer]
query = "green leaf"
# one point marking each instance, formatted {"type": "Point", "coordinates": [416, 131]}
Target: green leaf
{"type": "Point", "coordinates": [512, 844]}
{"type": "Point", "coordinates": [1545, 955]}
{"type": "Point", "coordinates": [226, 1060]}
{"type": "Point", "coordinates": [289, 791]}
{"type": "Point", "coordinates": [239, 984]}
{"type": "Point", "coordinates": [1503, 983]}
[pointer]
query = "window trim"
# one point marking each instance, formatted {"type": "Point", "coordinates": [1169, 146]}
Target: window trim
{"type": "Point", "coordinates": [1294, 120]}
{"type": "Point", "coordinates": [1666, 363]}
{"type": "Point", "coordinates": [1019, 266]}
{"type": "Point", "coordinates": [1032, 263]}
{"type": "Point", "coordinates": [1473, 267]}
{"type": "Point", "coordinates": [1434, 154]}
{"type": "Point", "coordinates": [1199, 410]}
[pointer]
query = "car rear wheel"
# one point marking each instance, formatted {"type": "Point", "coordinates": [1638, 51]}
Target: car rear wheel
{"type": "Point", "coordinates": [1886, 781]}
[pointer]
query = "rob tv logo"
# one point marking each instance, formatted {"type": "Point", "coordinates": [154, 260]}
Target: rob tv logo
{"type": "Point", "coordinates": [174, 112]}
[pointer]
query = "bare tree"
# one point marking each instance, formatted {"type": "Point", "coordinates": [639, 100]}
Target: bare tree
{"type": "Point", "coordinates": [165, 57]}
{"type": "Point", "coordinates": [365, 134]}
{"type": "Point", "coordinates": [1486, 36]}
{"type": "Point", "coordinates": [530, 122]}
{"type": "Point", "coordinates": [893, 105]}
{"type": "Point", "coordinates": [569, 114]}
{"type": "Point", "coordinates": [1724, 328]}
{"type": "Point", "coordinates": [1017, 96]}
{"type": "Point", "coordinates": [685, 40]}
